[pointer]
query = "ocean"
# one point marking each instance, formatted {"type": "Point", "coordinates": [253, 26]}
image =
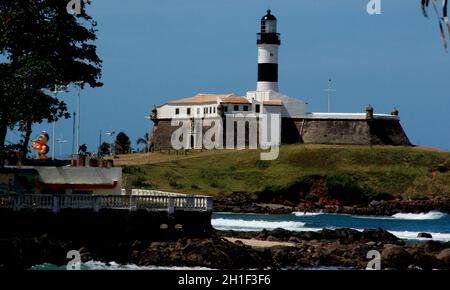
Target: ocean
{"type": "Point", "coordinates": [405, 226]}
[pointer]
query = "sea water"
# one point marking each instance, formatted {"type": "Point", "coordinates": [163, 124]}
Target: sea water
{"type": "Point", "coordinates": [404, 225]}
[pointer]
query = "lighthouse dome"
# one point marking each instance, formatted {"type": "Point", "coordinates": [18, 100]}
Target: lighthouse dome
{"type": "Point", "coordinates": [269, 16]}
{"type": "Point", "coordinates": [268, 23]}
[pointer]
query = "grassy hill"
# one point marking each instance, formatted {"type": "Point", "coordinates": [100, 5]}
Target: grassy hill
{"type": "Point", "coordinates": [373, 172]}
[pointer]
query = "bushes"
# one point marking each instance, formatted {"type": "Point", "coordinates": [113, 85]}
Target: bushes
{"type": "Point", "coordinates": [346, 189]}
{"type": "Point", "coordinates": [294, 192]}
{"type": "Point", "coordinates": [262, 164]}
{"type": "Point", "coordinates": [342, 188]}
{"type": "Point", "coordinates": [140, 182]}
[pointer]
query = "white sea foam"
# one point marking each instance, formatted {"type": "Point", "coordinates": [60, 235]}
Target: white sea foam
{"type": "Point", "coordinates": [407, 235]}
{"type": "Point", "coordinates": [96, 265]}
{"type": "Point", "coordinates": [254, 225]}
{"type": "Point", "coordinates": [432, 215]}
{"type": "Point", "coordinates": [301, 213]}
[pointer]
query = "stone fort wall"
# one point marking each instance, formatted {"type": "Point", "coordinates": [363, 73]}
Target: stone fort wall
{"type": "Point", "coordinates": [338, 131]}
{"type": "Point", "coordinates": [312, 131]}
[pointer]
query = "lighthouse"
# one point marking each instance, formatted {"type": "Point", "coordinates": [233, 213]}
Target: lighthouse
{"type": "Point", "coordinates": [268, 41]}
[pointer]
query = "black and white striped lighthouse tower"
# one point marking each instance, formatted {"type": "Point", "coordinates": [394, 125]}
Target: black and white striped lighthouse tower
{"type": "Point", "coordinates": [268, 43]}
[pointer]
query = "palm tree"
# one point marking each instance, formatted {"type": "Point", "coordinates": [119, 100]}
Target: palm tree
{"type": "Point", "coordinates": [143, 140]}
{"type": "Point", "coordinates": [443, 21]}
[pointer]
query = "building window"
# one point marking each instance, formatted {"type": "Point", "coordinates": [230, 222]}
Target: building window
{"type": "Point", "coordinates": [210, 110]}
{"type": "Point", "coordinates": [225, 108]}
{"type": "Point", "coordinates": [245, 108]}
{"type": "Point", "coordinates": [188, 111]}
{"type": "Point", "coordinates": [177, 111]}
{"type": "Point", "coordinates": [236, 107]}
{"type": "Point", "coordinates": [205, 110]}
{"type": "Point", "coordinates": [214, 110]}
{"type": "Point", "coordinates": [198, 111]}
{"type": "Point", "coordinates": [257, 108]}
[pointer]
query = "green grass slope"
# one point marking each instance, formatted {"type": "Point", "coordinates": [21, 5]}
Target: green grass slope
{"type": "Point", "coordinates": [378, 171]}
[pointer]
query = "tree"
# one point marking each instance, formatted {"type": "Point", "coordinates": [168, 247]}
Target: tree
{"type": "Point", "coordinates": [41, 46]}
{"type": "Point", "coordinates": [82, 150]}
{"type": "Point", "coordinates": [104, 149]}
{"type": "Point", "coordinates": [122, 144]}
{"type": "Point", "coordinates": [143, 140]}
{"type": "Point", "coordinates": [443, 21]}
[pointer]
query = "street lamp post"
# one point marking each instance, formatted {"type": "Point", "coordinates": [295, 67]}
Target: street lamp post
{"type": "Point", "coordinates": [79, 84]}
{"type": "Point", "coordinates": [110, 134]}
{"type": "Point", "coordinates": [57, 89]}
{"type": "Point", "coordinates": [329, 91]}
{"type": "Point", "coordinates": [60, 141]}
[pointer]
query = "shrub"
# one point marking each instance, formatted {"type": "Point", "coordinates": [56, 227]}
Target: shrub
{"type": "Point", "coordinates": [346, 190]}
{"type": "Point", "coordinates": [262, 164]}
{"type": "Point", "coordinates": [311, 197]}
{"type": "Point", "coordinates": [292, 192]}
{"type": "Point", "coordinates": [140, 182]}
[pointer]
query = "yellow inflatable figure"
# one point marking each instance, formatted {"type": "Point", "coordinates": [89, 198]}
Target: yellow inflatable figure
{"type": "Point", "coordinates": [40, 145]}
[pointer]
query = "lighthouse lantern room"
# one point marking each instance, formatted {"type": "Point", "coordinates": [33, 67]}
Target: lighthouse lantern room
{"type": "Point", "coordinates": [268, 42]}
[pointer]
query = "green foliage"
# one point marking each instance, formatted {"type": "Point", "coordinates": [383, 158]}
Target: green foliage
{"type": "Point", "coordinates": [311, 197]}
{"type": "Point", "coordinates": [373, 173]}
{"type": "Point", "coordinates": [175, 184]}
{"type": "Point", "coordinates": [143, 141]}
{"type": "Point", "coordinates": [122, 144]}
{"type": "Point", "coordinates": [42, 46]}
{"type": "Point", "coordinates": [262, 164]}
{"type": "Point", "coordinates": [345, 189]}
{"type": "Point", "coordinates": [419, 197]}
{"type": "Point", "coordinates": [293, 192]}
{"type": "Point", "coordinates": [140, 182]}
{"type": "Point", "coordinates": [104, 149]}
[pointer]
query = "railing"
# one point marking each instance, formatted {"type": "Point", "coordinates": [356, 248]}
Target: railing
{"type": "Point", "coordinates": [138, 191]}
{"type": "Point", "coordinates": [56, 202]}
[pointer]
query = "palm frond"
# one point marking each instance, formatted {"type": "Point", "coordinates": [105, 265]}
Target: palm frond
{"type": "Point", "coordinates": [425, 4]}
{"type": "Point", "coordinates": [443, 21]}
{"type": "Point", "coordinates": [444, 6]}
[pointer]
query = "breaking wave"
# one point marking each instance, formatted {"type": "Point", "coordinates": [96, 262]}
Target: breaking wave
{"type": "Point", "coordinates": [255, 225]}
{"type": "Point", "coordinates": [407, 235]}
{"type": "Point", "coordinates": [432, 215]}
{"type": "Point", "coordinates": [300, 213]}
{"type": "Point", "coordinates": [96, 265]}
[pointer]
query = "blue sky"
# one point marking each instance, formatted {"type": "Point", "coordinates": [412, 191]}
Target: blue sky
{"type": "Point", "coordinates": [155, 51]}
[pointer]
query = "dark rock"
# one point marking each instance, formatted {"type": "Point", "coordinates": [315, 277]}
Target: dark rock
{"type": "Point", "coordinates": [308, 235]}
{"type": "Point", "coordinates": [444, 256]}
{"type": "Point", "coordinates": [280, 234]}
{"type": "Point", "coordinates": [344, 234]}
{"type": "Point", "coordinates": [424, 235]}
{"type": "Point", "coordinates": [239, 242]}
{"type": "Point", "coordinates": [395, 257]}
{"type": "Point", "coordinates": [294, 240]}
{"type": "Point", "coordinates": [441, 168]}
{"type": "Point", "coordinates": [426, 261]}
{"type": "Point", "coordinates": [378, 235]}
{"type": "Point", "coordinates": [272, 238]}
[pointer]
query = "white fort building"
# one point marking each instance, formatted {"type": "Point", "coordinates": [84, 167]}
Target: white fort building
{"type": "Point", "coordinates": [296, 125]}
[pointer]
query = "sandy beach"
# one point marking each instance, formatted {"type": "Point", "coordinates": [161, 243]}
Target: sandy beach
{"type": "Point", "coordinates": [259, 243]}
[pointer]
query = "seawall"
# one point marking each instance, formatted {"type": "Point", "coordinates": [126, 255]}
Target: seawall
{"type": "Point", "coordinates": [32, 237]}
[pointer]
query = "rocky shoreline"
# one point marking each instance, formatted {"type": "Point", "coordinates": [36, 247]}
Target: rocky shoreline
{"type": "Point", "coordinates": [244, 203]}
{"type": "Point", "coordinates": [341, 248]}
